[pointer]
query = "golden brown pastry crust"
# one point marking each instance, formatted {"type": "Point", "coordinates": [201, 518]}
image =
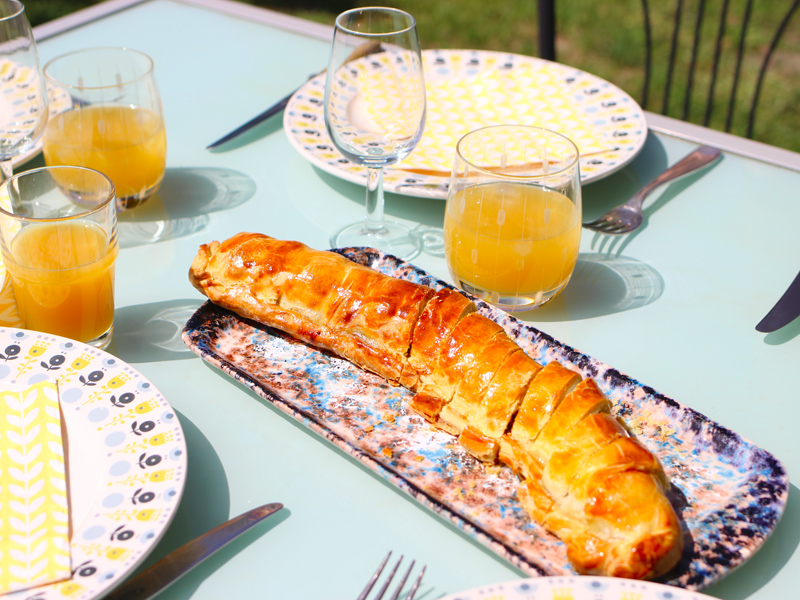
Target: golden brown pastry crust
{"type": "Point", "coordinates": [583, 477]}
{"type": "Point", "coordinates": [321, 298]}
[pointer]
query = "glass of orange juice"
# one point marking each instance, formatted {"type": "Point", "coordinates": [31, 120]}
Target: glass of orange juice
{"type": "Point", "coordinates": [58, 235]}
{"type": "Point", "coordinates": [512, 222]}
{"type": "Point", "coordinates": [115, 124]}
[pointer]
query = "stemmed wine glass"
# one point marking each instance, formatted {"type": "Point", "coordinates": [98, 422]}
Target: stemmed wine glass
{"type": "Point", "coordinates": [375, 112]}
{"type": "Point", "coordinates": [23, 96]}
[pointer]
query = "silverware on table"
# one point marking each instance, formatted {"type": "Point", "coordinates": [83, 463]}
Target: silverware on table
{"type": "Point", "coordinates": [359, 52]}
{"type": "Point", "coordinates": [786, 310]}
{"type": "Point", "coordinates": [627, 217]}
{"type": "Point", "coordinates": [176, 564]}
{"type": "Point", "coordinates": [379, 594]}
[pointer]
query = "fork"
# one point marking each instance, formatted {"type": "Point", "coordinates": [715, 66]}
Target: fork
{"type": "Point", "coordinates": [372, 580]}
{"type": "Point", "coordinates": [628, 216]}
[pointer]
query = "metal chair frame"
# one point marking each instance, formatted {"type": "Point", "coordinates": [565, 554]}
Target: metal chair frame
{"type": "Point", "coordinates": [547, 50]}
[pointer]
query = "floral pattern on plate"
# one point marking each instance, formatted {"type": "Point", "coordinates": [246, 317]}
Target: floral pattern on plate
{"type": "Point", "coordinates": [611, 112]}
{"type": "Point", "coordinates": [729, 493]}
{"type": "Point", "coordinates": [576, 588]}
{"type": "Point", "coordinates": [126, 457]}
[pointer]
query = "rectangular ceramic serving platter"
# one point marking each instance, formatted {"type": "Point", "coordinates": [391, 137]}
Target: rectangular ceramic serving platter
{"type": "Point", "coordinates": [728, 492]}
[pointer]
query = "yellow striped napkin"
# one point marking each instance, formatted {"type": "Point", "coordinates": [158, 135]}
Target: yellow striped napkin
{"type": "Point", "coordinates": [34, 507]}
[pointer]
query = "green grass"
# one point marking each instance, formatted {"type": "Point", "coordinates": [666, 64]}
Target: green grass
{"type": "Point", "coordinates": [606, 39]}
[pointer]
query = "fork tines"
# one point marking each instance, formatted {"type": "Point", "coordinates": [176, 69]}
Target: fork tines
{"type": "Point", "coordinates": [376, 575]}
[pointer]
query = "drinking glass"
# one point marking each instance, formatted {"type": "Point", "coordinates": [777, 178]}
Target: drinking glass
{"type": "Point", "coordinates": [23, 97]}
{"type": "Point", "coordinates": [58, 236]}
{"type": "Point", "coordinates": [375, 112]}
{"type": "Point", "coordinates": [115, 125]}
{"type": "Point", "coordinates": [512, 222]}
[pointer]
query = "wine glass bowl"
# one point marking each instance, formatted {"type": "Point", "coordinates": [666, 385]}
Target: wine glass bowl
{"type": "Point", "coordinates": [115, 124]}
{"type": "Point", "coordinates": [512, 222]}
{"type": "Point", "coordinates": [375, 112]}
{"type": "Point", "coordinates": [23, 97]}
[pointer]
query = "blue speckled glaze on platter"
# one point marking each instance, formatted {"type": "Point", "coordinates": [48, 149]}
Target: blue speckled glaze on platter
{"type": "Point", "coordinates": [729, 493]}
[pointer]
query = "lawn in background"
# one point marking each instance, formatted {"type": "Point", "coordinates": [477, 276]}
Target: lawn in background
{"type": "Point", "coordinates": [606, 39]}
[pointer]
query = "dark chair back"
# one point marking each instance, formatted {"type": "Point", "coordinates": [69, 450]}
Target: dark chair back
{"type": "Point", "coordinates": [727, 39]}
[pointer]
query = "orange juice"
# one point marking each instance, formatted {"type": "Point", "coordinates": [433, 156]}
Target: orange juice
{"type": "Point", "coordinates": [63, 279]}
{"type": "Point", "coordinates": [129, 145]}
{"type": "Point", "coordinates": [511, 239]}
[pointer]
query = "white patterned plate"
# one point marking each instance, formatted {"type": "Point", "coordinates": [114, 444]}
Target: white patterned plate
{"type": "Point", "coordinates": [557, 97]}
{"type": "Point", "coordinates": [577, 588]}
{"type": "Point", "coordinates": [126, 457]}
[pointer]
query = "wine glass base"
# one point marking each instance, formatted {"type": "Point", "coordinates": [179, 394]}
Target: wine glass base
{"type": "Point", "coordinates": [392, 238]}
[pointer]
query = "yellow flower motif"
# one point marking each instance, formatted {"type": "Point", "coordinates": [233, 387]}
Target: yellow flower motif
{"type": "Point", "coordinates": [160, 439]}
{"type": "Point", "coordinates": [70, 589]}
{"type": "Point", "coordinates": [158, 476]}
{"type": "Point", "coordinates": [118, 381]}
{"type": "Point", "coordinates": [117, 553]}
{"type": "Point", "coordinates": [37, 349]}
{"type": "Point", "coordinates": [145, 407]}
{"type": "Point", "coordinates": [81, 362]}
{"type": "Point", "coordinates": [146, 514]}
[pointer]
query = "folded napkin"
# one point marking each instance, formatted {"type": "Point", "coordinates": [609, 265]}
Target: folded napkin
{"type": "Point", "coordinates": [34, 509]}
{"type": "Point", "coordinates": [524, 95]}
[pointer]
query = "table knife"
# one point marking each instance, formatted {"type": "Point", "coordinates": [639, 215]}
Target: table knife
{"type": "Point", "coordinates": [785, 310]}
{"type": "Point", "coordinates": [176, 564]}
{"type": "Point", "coordinates": [361, 51]}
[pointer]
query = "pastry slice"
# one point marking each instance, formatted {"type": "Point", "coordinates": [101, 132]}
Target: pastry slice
{"type": "Point", "coordinates": [468, 395]}
{"type": "Point", "coordinates": [550, 386]}
{"type": "Point", "coordinates": [457, 357]}
{"type": "Point", "coordinates": [584, 400]}
{"type": "Point", "coordinates": [375, 325]}
{"type": "Point", "coordinates": [588, 436]}
{"type": "Point", "coordinates": [491, 411]}
{"type": "Point", "coordinates": [439, 317]}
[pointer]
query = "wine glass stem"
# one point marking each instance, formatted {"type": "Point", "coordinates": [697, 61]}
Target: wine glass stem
{"type": "Point", "coordinates": [374, 199]}
{"type": "Point", "coordinates": [7, 169]}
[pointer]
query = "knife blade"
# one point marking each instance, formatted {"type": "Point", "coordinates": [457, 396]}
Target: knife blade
{"type": "Point", "coordinates": [272, 110]}
{"type": "Point", "coordinates": [361, 51]}
{"type": "Point", "coordinates": [786, 310]}
{"type": "Point", "coordinates": [176, 564]}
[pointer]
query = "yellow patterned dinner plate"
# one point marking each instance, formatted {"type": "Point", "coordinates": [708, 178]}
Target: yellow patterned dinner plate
{"type": "Point", "coordinates": [469, 89]}
{"type": "Point", "coordinates": [125, 452]}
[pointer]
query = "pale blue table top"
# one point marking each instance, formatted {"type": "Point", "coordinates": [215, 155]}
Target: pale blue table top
{"type": "Point", "coordinates": [674, 305]}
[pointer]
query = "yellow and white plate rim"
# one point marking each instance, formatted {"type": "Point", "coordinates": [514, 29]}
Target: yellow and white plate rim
{"type": "Point", "coordinates": [615, 115]}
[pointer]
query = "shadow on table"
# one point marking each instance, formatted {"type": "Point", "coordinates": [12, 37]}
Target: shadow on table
{"type": "Point", "coordinates": [428, 212]}
{"type": "Point", "coordinates": [205, 505]}
{"type": "Point", "coordinates": [784, 334]}
{"type": "Point", "coordinates": [602, 284]}
{"type": "Point", "coordinates": [769, 560]}
{"type": "Point", "coordinates": [152, 332]}
{"type": "Point", "coordinates": [182, 204]}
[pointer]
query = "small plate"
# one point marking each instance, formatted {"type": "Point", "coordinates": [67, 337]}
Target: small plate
{"type": "Point", "coordinates": [729, 493]}
{"type": "Point", "coordinates": [126, 457]}
{"type": "Point", "coordinates": [610, 113]}
{"type": "Point", "coordinates": [577, 588]}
